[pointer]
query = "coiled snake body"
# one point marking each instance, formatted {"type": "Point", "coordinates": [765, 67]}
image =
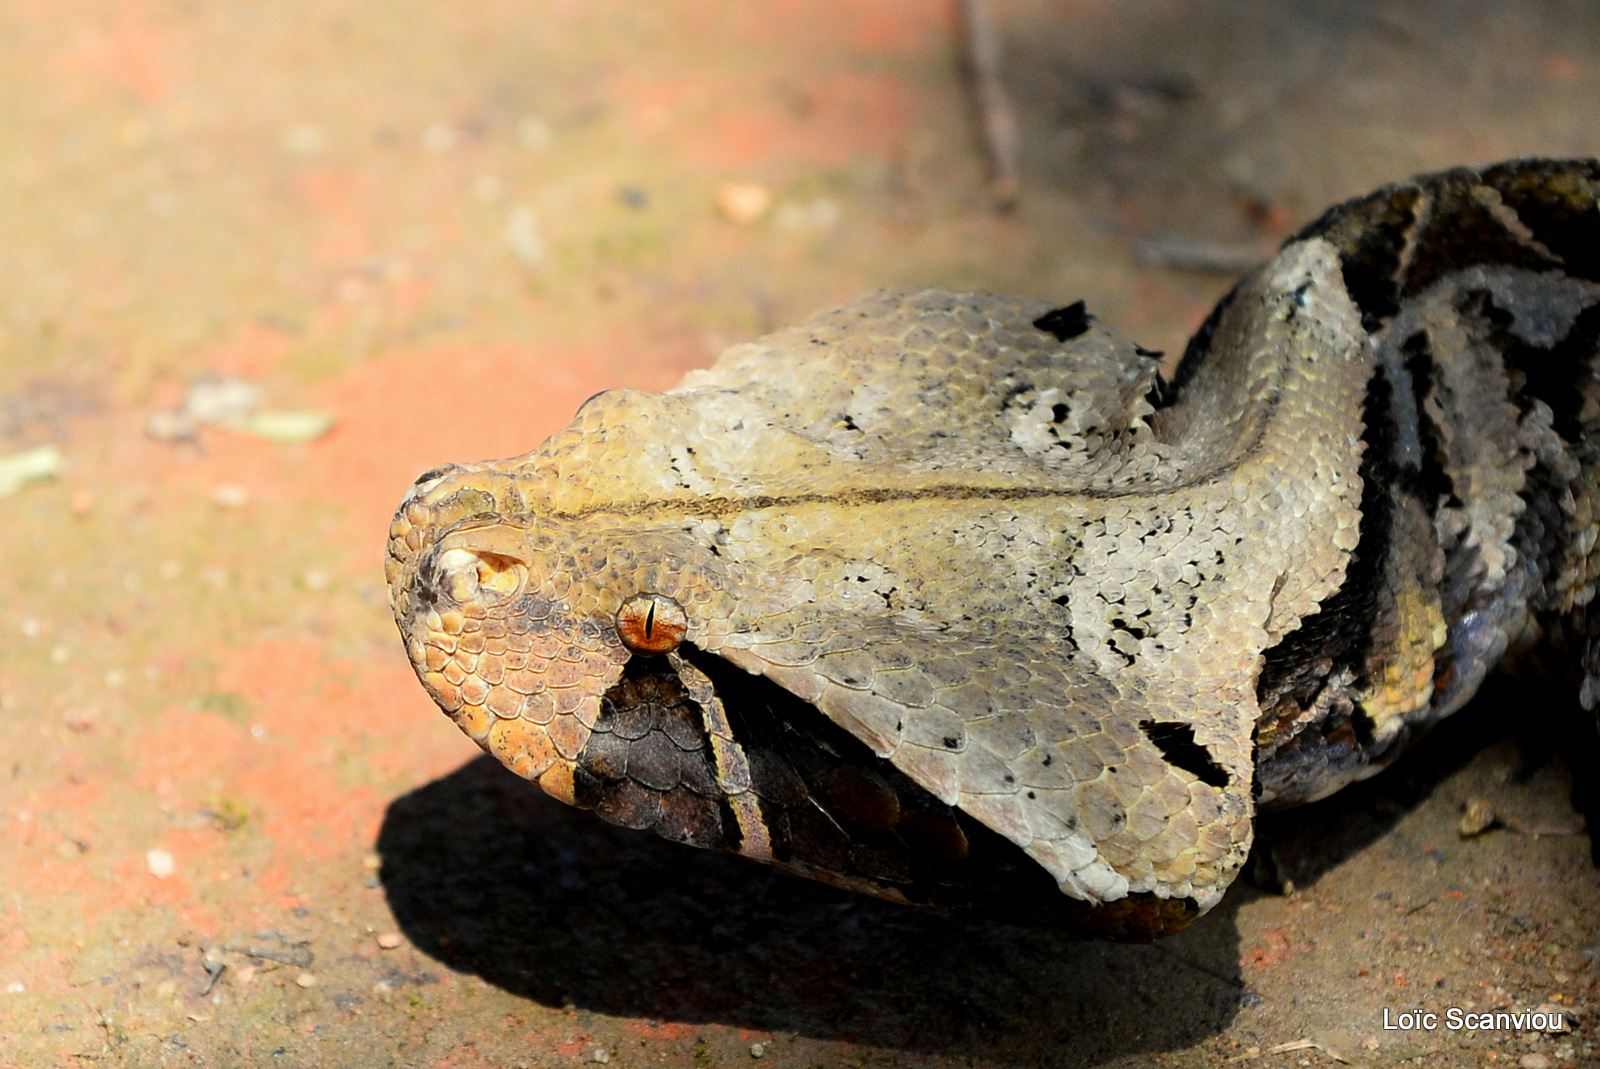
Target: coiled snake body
{"type": "Point", "coordinates": [952, 598]}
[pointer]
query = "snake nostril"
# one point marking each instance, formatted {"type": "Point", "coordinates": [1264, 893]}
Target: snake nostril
{"type": "Point", "coordinates": [651, 624]}
{"type": "Point", "coordinates": [425, 482]}
{"type": "Point", "coordinates": [428, 476]}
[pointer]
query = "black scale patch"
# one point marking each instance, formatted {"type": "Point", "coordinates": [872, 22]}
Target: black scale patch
{"type": "Point", "coordinates": [648, 764]}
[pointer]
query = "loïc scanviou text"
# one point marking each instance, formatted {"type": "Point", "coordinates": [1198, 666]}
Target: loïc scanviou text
{"type": "Point", "coordinates": [1458, 1020]}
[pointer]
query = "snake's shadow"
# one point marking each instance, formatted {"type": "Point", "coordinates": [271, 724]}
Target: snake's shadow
{"type": "Point", "coordinates": [491, 877]}
{"type": "Point", "coordinates": [1537, 722]}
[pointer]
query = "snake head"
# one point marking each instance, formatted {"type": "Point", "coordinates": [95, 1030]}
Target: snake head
{"type": "Point", "coordinates": [518, 621]}
{"type": "Point", "coordinates": [488, 626]}
{"type": "Point", "coordinates": [864, 548]}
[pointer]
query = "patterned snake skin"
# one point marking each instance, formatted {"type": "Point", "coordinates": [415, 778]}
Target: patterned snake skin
{"type": "Point", "coordinates": [952, 598]}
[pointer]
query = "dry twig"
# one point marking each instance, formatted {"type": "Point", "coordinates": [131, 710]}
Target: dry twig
{"type": "Point", "coordinates": [996, 118]}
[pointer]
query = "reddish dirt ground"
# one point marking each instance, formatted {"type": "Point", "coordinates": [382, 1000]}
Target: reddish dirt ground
{"type": "Point", "coordinates": [444, 226]}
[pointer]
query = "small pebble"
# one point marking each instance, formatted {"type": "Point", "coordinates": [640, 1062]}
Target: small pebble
{"type": "Point", "coordinates": [171, 427]}
{"type": "Point", "coordinates": [217, 399]}
{"type": "Point", "coordinates": [522, 236]}
{"type": "Point", "coordinates": [244, 975]}
{"type": "Point", "coordinates": [82, 502]}
{"type": "Point", "coordinates": [230, 496]}
{"type": "Point", "coordinates": [1477, 817]}
{"type": "Point", "coordinates": [489, 188]}
{"type": "Point", "coordinates": [303, 139]}
{"type": "Point", "coordinates": [758, 1050]}
{"type": "Point", "coordinates": [1535, 1061]}
{"type": "Point", "coordinates": [817, 215]}
{"type": "Point", "coordinates": [439, 138]}
{"type": "Point", "coordinates": [15, 988]}
{"type": "Point", "coordinates": [160, 863]}
{"type": "Point", "coordinates": [305, 979]}
{"type": "Point", "coordinates": [533, 132]}
{"type": "Point", "coordinates": [350, 290]}
{"type": "Point", "coordinates": [600, 1055]}
{"type": "Point", "coordinates": [743, 202]}
{"type": "Point", "coordinates": [388, 940]}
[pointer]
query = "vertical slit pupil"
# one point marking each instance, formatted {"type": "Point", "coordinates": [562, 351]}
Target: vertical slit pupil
{"type": "Point", "coordinates": [650, 620]}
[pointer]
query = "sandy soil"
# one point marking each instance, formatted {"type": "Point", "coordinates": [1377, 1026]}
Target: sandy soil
{"type": "Point", "coordinates": [444, 226]}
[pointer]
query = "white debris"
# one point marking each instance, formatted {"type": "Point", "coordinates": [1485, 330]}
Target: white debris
{"type": "Point", "coordinates": [160, 863]}
{"type": "Point", "coordinates": [31, 465]}
{"type": "Point", "coordinates": [303, 139]}
{"type": "Point", "coordinates": [743, 202]}
{"type": "Point", "coordinates": [235, 404]}
{"type": "Point", "coordinates": [439, 138]}
{"type": "Point", "coordinates": [523, 237]}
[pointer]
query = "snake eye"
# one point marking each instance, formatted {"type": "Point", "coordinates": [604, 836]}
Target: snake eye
{"type": "Point", "coordinates": [651, 624]}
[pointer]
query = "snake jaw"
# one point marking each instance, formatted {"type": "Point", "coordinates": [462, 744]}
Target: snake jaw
{"type": "Point", "coordinates": [505, 657]}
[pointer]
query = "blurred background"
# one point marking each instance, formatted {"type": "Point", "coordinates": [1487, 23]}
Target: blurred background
{"type": "Point", "coordinates": [263, 263]}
